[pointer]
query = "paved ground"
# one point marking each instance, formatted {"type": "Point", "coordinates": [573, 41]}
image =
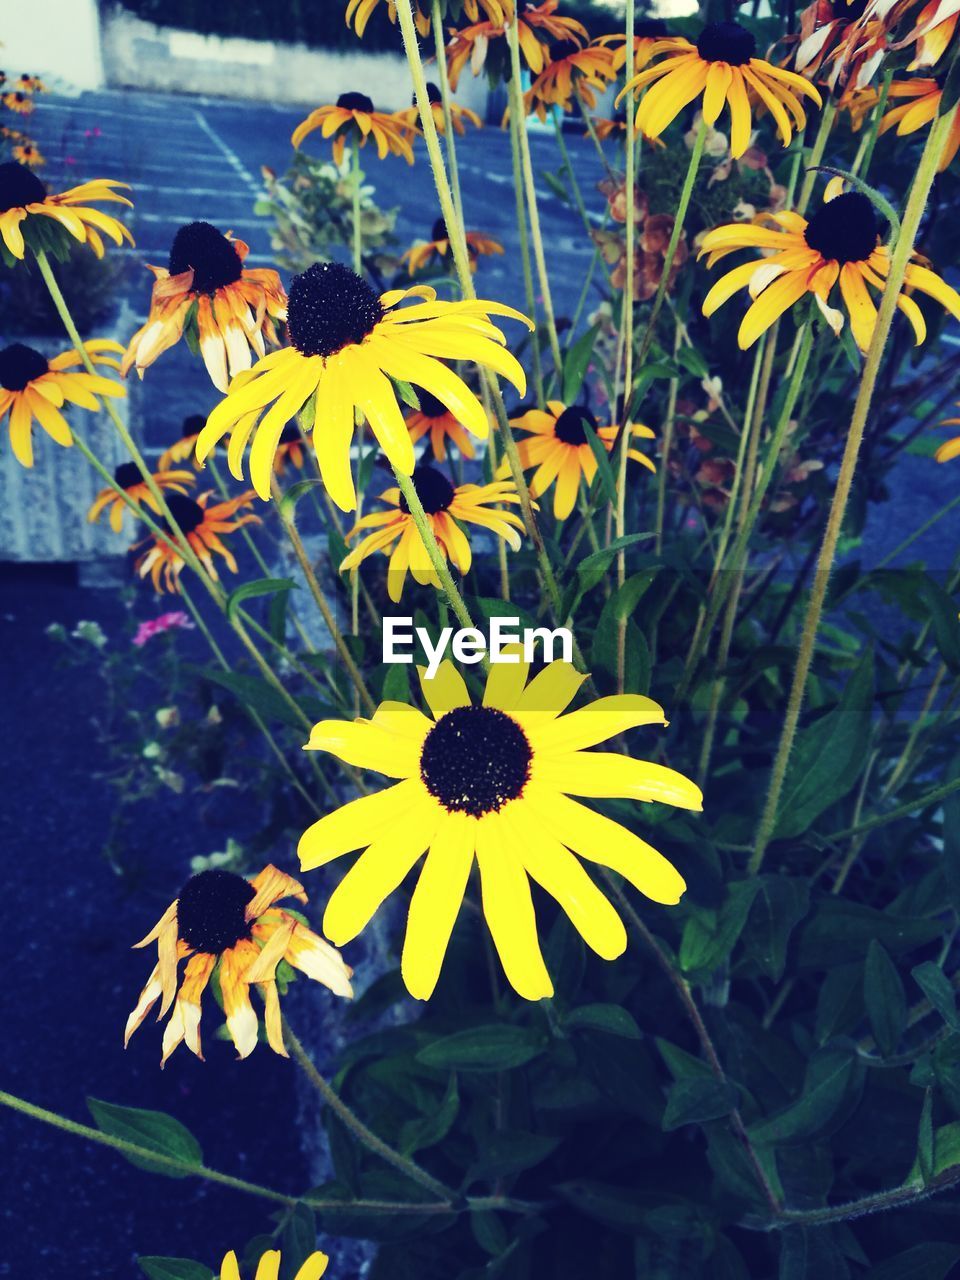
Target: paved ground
{"type": "Point", "coordinates": [68, 920]}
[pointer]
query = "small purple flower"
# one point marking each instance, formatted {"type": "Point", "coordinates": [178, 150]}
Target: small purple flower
{"type": "Point", "coordinates": [165, 622]}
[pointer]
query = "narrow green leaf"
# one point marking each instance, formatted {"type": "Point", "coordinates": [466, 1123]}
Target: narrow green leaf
{"type": "Point", "coordinates": [173, 1269]}
{"type": "Point", "coordinates": [938, 989]}
{"type": "Point", "coordinates": [604, 1017]}
{"type": "Point", "coordinates": [293, 496]}
{"type": "Point", "coordinates": [884, 998]}
{"type": "Point", "coordinates": [491, 1048]}
{"type": "Point", "coordinates": [780, 905]}
{"type": "Point", "coordinates": [251, 590]}
{"type": "Point", "coordinates": [605, 474]}
{"type": "Point", "coordinates": [575, 363]}
{"type": "Point", "coordinates": [931, 1260]}
{"type": "Point", "coordinates": [697, 1100]}
{"type": "Point", "coordinates": [925, 1137]}
{"type": "Point", "coordinates": [708, 938]}
{"type": "Point", "coordinates": [604, 557]}
{"type": "Point", "coordinates": [151, 1130]}
{"type": "Point", "coordinates": [833, 1075]}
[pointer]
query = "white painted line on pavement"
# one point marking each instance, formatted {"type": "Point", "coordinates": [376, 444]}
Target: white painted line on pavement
{"type": "Point", "coordinates": [228, 152]}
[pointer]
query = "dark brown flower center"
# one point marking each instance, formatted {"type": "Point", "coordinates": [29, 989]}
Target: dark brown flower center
{"type": "Point", "coordinates": [19, 187]}
{"type": "Point", "coordinates": [187, 513]}
{"type": "Point", "coordinates": [211, 911]}
{"type": "Point", "coordinates": [193, 424]}
{"type": "Point", "coordinates": [845, 229]}
{"type": "Point", "coordinates": [20, 365]}
{"type": "Point", "coordinates": [433, 489]}
{"type": "Point", "coordinates": [127, 475]}
{"type": "Point", "coordinates": [214, 260]}
{"type": "Point", "coordinates": [475, 760]}
{"type": "Point", "coordinates": [430, 406]}
{"type": "Point", "coordinates": [354, 102]}
{"type": "Point", "coordinates": [329, 308]}
{"type": "Point", "coordinates": [569, 426]}
{"type": "Point", "coordinates": [726, 42]}
{"type": "Point", "coordinates": [433, 93]}
{"type": "Point", "coordinates": [651, 29]}
{"type": "Point", "coordinates": [439, 230]}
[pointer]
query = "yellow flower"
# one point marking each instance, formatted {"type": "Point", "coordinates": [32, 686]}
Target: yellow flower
{"type": "Point", "coordinates": [932, 33]}
{"type": "Point", "coordinates": [130, 480]}
{"type": "Point", "coordinates": [359, 11]}
{"type": "Point", "coordinates": [202, 526]}
{"type": "Point", "coordinates": [492, 784]}
{"type": "Point", "coordinates": [28, 153]}
{"type": "Point", "coordinates": [354, 119]}
{"type": "Point", "coordinates": [185, 448]}
{"type": "Point", "coordinates": [922, 106]}
{"type": "Point", "coordinates": [950, 448]}
{"type": "Point", "coordinates": [536, 24]}
{"type": "Point", "coordinates": [418, 255]}
{"type": "Point", "coordinates": [433, 418]}
{"type": "Point", "coordinates": [24, 197]}
{"type": "Point", "coordinates": [722, 67]}
{"type": "Point", "coordinates": [570, 70]}
{"type": "Point", "coordinates": [646, 32]}
{"type": "Point", "coordinates": [446, 507]}
{"type": "Point", "coordinates": [346, 346]}
{"type": "Point", "coordinates": [268, 1268]}
{"type": "Point", "coordinates": [561, 452]}
{"type": "Point", "coordinates": [206, 291]}
{"type": "Point", "coordinates": [221, 921]}
{"type": "Point", "coordinates": [33, 388]}
{"type": "Point", "coordinates": [19, 102]}
{"type": "Point", "coordinates": [411, 116]}
{"type": "Point", "coordinates": [840, 242]}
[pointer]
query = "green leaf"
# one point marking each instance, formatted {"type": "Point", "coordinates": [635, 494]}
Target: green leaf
{"type": "Point", "coordinates": [173, 1269]}
{"type": "Point", "coordinates": [693, 362]}
{"type": "Point", "coordinates": [428, 1130]}
{"type": "Point", "coordinates": [256, 694]}
{"type": "Point", "coordinates": [951, 835]}
{"type": "Point", "coordinates": [396, 684]}
{"type": "Point", "coordinates": [946, 1154]}
{"type": "Point", "coordinates": [603, 558]}
{"type": "Point", "coordinates": [151, 1130]}
{"type": "Point", "coordinates": [925, 1137]}
{"type": "Point", "coordinates": [611, 1018]}
{"type": "Point", "coordinates": [491, 1048]}
{"type": "Point", "coordinates": [943, 617]}
{"type": "Point", "coordinates": [833, 1076]}
{"type": "Point", "coordinates": [697, 1100]}
{"type": "Point", "coordinates": [293, 496]}
{"type": "Point", "coordinates": [780, 905]}
{"type": "Point", "coordinates": [938, 989]}
{"type": "Point", "coordinates": [250, 590]}
{"type": "Point", "coordinates": [709, 937]}
{"type": "Point", "coordinates": [829, 755]}
{"type": "Point", "coordinates": [811, 1253]}
{"type": "Point", "coordinates": [884, 998]}
{"type": "Point", "coordinates": [575, 363]}
{"type": "Point", "coordinates": [605, 474]}
{"type": "Point", "coordinates": [407, 393]}
{"type": "Point", "coordinates": [603, 653]}
{"type": "Point", "coordinates": [931, 1260]}
{"type": "Point", "coordinates": [840, 930]}
{"type": "Point", "coordinates": [504, 1154]}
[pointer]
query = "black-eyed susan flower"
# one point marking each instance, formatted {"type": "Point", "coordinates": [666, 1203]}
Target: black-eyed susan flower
{"type": "Point", "coordinates": [844, 42]}
{"type": "Point", "coordinates": [458, 114]}
{"type": "Point", "coordinates": [185, 448]}
{"type": "Point", "coordinates": [27, 153]}
{"type": "Point", "coordinates": [919, 106]}
{"type": "Point", "coordinates": [19, 102]}
{"type": "Point", "coordinates": [571, 70]}
{"type": "Point", "coordinates": [447, 508]}
{"type": "Point", "coordinates": [359, 11]}
{"type": "Point", "coordinates": [346, 346]}
{"type": "Point", "coordinates": [419, 255]}
{"type": "Point", "coordinates": [354, 119]}
{"type": "Point", "coordinates": [537, 25]}
{"type": "Point", "coordinates": [560, 450]}
{"type": "Point", "coordinates": [268, 1268]}
{"type": "Point", "coordinates": [27, 83]}
{"type": "Point", "coordinates": [646, 32]}
{"type": "Point", "coordinates": [435, 420]}
{"type": "Point", "coordinates": [130, 479]}
{"type": "Point", "coordinates": [950, 448]}
{"type": "Point", "coordinates": [24, 197]}
{"type": "Point", "coordinates": [841, 242]}
{"type": "Point", "coordinates": [492, 784]}
{"type": "Point", "coordinates": [224, 923]}
{"type": "Point", "coordinates": [931, 33]}
{"type": "Point", "coordinates": [501, 11]}
{"type": "Point", "coordinates": [722, 67]}
{"type": "Point", "coordinates": [206, 292]}
{"type": "Point", "coordinates": [202, 526]}
{"type": "Point", "coordinates": [34, 389]}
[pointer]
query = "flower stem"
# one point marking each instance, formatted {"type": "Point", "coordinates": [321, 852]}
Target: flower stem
{"type": "Point", "coordinates": [865, 154]}
{"type": "Point", "coordinates": [516, 124]}
{"type": "Point", "coordinates": [436, 23]}
{"type": "Point", "coordinates": [899, 259]}
{"type": "Point", "coordinates": [816, 155]}
{"type": "Point", "coordinates": [359, 1130]}
{"type": "Point", "coordinates": [357, 215]}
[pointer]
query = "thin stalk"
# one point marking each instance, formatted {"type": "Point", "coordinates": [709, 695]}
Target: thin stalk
{"type": "Point", "coordinates": [816, 155]}
{"type": "Point", "coordinates": [865, 152]}
{"type": "Point", "coordinates": [445, 101]}
{"type": "Point", "coordinates": [592, 131]}
{"type": "Point", "coordinates": [303, 559]}
{"type": "Point", "coordinates": [900, 257]}
{"type": "Point", "coordinates": [668, 425]}
{"type": "Point", "coordinates": [357, 215]}
{"type": "Point", "coordinates": [365, 1136]}
{"type": "Point", "coordinates": [530, 189]}
{"type": "Point", "coordinates": [516, 124]}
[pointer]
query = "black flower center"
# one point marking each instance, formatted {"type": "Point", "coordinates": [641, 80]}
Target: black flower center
{"type": "Point", "coordinates": [214, 260]}
{"type": "Point", "coordinates": [20, 365]}
{"type": "Point", "coordinates": [433, 93]}
{"type": "Point", "coordinates": [329, 308]}
{"type": "Point", "coordinates": [563, 49]}
{"type": "Point", "coordinates": [19, 187]}
{"type": "Point", "coordinates": [475, 760]}
{"type": "Point", "coordinates": [193, 424]}
{"type": "Point", "coordinates": [127, 475]}
{"type": "Point", "coordinates": [211, 911]}
{"type": "Point", "coordinates": [439, 230]}
{"type": "Point", "coordinates": [726, 42]}
{"type": "Point", "coordinates": [430, 406]}
{"type": "Point", "coordinates": [354, 102]}
{"type": "Point", "coordinates": [187, 513]}
{"type": "Point", "coordinates": [651, 29]}
{"type": "Point", "coordinates": [433, 489]}
{"type": "Point", "coordinates": [845, 229]}
{"type": "Point", "coordinates": [569, 426]}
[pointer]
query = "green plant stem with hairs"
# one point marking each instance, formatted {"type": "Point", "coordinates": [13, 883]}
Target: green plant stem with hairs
{"type": "Point", "coordinates": [899, 259]}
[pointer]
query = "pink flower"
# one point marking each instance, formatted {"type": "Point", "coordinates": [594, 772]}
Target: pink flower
{"type": "Point", "coordinates": [165, 622]}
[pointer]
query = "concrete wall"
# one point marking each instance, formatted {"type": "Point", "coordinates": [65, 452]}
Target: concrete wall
{"type": "Point", "coordinates": [56, 39]}
{"type": "Point", "coordinates": [139, 54]}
